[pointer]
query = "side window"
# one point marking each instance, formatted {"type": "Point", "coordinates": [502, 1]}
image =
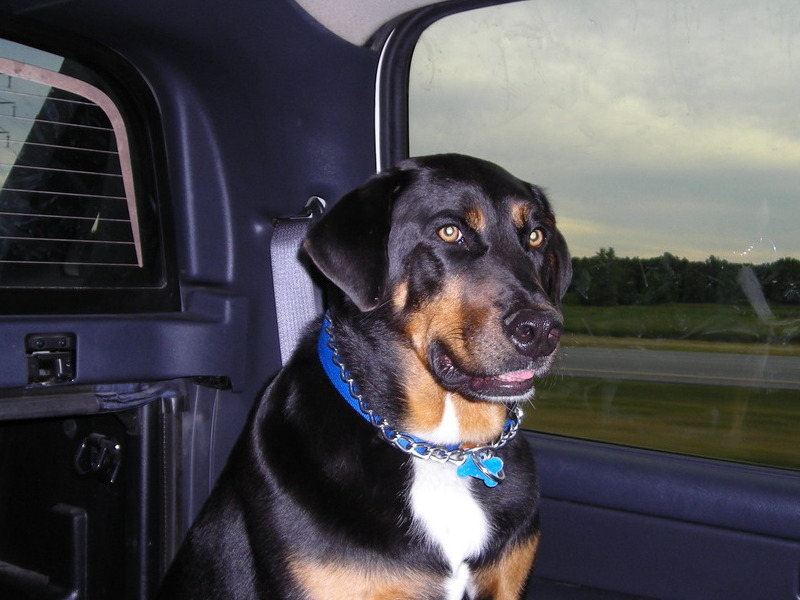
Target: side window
{"type": "Point", "coordinates": [667, 137]}
{"type": "Point", "coordinates": [80, 215]}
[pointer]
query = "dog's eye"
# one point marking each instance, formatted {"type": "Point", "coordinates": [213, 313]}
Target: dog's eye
{"type": "Point", "coordinates": [450, 234]}
{"type": "Point", "coordinates": [536, 238]}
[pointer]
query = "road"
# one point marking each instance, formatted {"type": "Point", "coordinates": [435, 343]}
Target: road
{"type": "Point", "coordinates": [706, 368]}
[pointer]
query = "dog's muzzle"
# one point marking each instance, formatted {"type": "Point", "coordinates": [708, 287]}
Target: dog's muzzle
{"type": "Point", "coordinates": [510, 385]}
{"type": "Point", "coordinates": [533, 334]}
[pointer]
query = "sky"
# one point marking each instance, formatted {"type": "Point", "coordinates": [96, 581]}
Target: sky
{"type": "Point", "coordinates": [655, 125]}
{"type": "Point", "coordinates": [20, 101]}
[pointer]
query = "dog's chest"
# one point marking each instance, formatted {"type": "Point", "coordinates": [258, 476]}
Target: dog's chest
{"type": "Point", "coordinates": [450, 518]}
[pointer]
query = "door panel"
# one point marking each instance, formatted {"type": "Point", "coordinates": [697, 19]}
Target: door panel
{"type": "Point", "coordinates": [666, 526]}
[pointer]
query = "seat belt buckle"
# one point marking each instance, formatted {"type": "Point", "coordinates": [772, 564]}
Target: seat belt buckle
{"type": "Point", "coordinates": [314, 207]}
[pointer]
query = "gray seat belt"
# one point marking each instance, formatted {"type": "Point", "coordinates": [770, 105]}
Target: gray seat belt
{"type": "Point", "coordinates": [297, 300]}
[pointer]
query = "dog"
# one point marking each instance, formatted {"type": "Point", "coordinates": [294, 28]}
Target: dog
{"type": "Point", "coordinates": [382, 463]}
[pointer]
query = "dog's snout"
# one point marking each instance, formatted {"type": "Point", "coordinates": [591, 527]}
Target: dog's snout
{"type": "Point", "coordinates": [534, 333]}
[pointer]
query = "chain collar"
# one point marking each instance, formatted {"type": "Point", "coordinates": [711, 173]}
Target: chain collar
{"type": "Point", "coordinates": [483, 465]}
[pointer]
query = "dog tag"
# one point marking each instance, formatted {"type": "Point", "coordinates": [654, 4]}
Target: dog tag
{"type": "Point", "coordinates": [489, 470]}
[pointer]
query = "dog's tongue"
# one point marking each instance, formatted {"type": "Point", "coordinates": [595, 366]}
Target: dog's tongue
{"type": "Point", "coordinates": [523, 375]}
{"type": "Point", "coordinates": [508, 383]}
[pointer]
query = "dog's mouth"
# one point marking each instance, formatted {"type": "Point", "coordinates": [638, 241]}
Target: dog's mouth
{"type": "Point", "coordinates": [514, 385]}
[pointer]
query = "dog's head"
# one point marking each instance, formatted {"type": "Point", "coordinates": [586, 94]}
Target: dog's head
{"type": "Point", "coordinates": [467, 262]}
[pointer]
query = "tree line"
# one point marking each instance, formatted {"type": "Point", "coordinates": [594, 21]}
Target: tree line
{"type": "Point", "coordinates": [608, 280]}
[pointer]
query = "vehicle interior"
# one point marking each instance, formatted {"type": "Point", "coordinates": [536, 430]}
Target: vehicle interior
{"type": "Point", "coordinates": [147, 150]}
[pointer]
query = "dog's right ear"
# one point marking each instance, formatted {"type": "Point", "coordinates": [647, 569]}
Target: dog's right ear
{"type": "Point", "coordinates": [348, 244]}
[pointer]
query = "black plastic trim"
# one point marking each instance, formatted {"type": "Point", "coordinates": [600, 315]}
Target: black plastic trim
{"type": "Point", "coordinates": [155, 347]}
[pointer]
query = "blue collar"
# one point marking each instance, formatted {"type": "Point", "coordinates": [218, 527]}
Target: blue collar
{"type": "Point", "coordinates": [336, 372]}
{"type": "Point", "coordinates": [484, 465]}
{"type": "Point", "coordinates": [347, 387]}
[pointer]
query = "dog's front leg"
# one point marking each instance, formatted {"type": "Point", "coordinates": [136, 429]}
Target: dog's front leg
{"type": "Point", "coordinates": [505, 578]}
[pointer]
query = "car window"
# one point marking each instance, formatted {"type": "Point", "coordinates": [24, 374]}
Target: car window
{"type": "Point", "coordinates": [74, 214]}
{"type": "Point", "coordinates": [667, 137]}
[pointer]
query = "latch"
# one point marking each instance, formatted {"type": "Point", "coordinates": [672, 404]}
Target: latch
{"type": "Point", "coordinates": [100, 456]}
{"type": "Point", "coordinates": [51, 357]}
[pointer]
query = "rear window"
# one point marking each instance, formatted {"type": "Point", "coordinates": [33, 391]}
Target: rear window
{"type": "Point", "coordinates": [81, 211]}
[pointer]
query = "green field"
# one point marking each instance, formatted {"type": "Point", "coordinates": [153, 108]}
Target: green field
{"type": "Point", "coordinates": [751, 425]}
{"type": "Point", "coordinates": [686, 322]}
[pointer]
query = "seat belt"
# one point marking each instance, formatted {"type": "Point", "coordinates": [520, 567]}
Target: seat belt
{"type": "Point", "coordinates": [297, 300]}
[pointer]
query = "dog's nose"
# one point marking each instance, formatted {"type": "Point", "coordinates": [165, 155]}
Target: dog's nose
{"type": "Point", "coordinates": [534, 333]}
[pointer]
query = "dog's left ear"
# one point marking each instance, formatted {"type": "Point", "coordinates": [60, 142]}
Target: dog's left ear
{"type": "Point", "coordinates": [559, 267]}
{"type": "Point", "coordinates": [348, 244]}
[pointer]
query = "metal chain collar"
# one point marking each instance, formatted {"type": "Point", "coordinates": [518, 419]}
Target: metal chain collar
{"type": "Point", "coordinates": [411, 444]}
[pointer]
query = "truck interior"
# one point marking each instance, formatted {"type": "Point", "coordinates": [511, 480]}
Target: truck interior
{"type": "Point", "coordinates": [147, 149]}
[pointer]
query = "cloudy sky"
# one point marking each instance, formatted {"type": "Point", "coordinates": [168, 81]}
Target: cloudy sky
{"type": "Point", "coordinates": [655, 125]}
{"type": "Point", "coordinates": [20, 100]}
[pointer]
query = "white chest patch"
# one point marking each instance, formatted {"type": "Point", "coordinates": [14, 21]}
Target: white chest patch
{"type": "Point", "coordinates": [448, 516]}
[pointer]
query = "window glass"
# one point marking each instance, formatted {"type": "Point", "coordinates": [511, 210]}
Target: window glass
{"type": "Point", "coordinates": [667, 137]}
{"type": "Point", "coordinates": [71, 211]}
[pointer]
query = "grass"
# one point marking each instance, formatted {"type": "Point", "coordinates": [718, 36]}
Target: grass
{"type": "Point", "coordinates": [635, 343]}
{"type": "Point", "coordinates": [755, 426]}
{"type": "Point", "coordinates": [686, 322]}
{"type": "Point", "coordinates": [751, 425]}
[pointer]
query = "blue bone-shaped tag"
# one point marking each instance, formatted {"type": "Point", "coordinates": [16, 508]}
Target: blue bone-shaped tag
{"type": "Point", "coordinates": [489, 470]}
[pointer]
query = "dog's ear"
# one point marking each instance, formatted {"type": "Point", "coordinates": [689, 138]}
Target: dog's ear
{"type": "Point", "coordinates": [558, 266]}
{"type": "Point", "coordinates": [348, 245]}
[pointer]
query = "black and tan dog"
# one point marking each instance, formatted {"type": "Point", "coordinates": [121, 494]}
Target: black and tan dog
{"type": "Point", "coordinates": [382, 462]}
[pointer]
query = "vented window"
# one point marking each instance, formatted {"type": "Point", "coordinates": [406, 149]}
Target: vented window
{"type": "Point", "coordinates": [72, 211]}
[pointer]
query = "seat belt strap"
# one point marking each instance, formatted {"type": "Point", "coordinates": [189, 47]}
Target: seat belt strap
{"type": "Point", "coordinates": [297, 300]}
